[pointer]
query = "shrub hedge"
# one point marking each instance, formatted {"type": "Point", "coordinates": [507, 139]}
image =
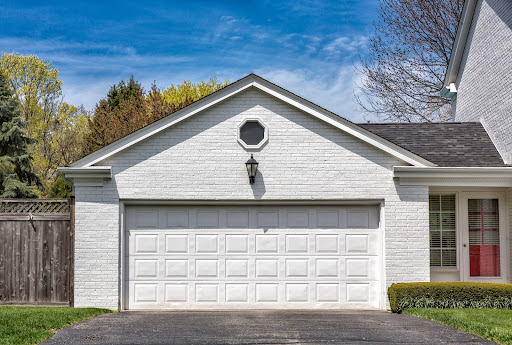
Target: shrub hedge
{"type": "Point", "coordinates": [449, 295]}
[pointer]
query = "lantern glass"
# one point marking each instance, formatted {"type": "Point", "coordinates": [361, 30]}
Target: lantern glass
{"type": "Point", "coordinates": [249, 169]}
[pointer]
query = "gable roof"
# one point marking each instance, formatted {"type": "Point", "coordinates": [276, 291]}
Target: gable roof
{"type": "Point", "coordinates": [250, 81]}
{"type": "Point", "coordinates": [452, 71]}
{"type": "Point", "coordinates": [449, 144]}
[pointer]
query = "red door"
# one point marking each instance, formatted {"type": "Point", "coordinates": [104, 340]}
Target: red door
{"type": "Point", "coordinates": [484, 246]}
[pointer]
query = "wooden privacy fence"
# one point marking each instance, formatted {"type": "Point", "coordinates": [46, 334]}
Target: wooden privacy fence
{"type": "Point", "coordinates": [36, 251]}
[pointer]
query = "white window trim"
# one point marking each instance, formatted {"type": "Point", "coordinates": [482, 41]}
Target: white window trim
{"type": "Point", "coordinates": [457, 235]}
{"type": "Point", "coordinates": [479, 191]}
{"type": "Point", "coordinates": [504, 236]}
{"type": "Point", "coordinates": [265, 134]}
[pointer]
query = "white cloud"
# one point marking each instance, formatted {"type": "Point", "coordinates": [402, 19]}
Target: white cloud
{"type": "Point", "coordinates": [344, 44]}
{"type": "Point", "coordinates": [88, 56]}
{"type": "Point", "coordinates": [88, 69]}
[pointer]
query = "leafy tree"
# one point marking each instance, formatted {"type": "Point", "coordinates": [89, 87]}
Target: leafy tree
{"type": "Point", "coordinates": [157, 106]}
{"type": "Point", "coordinates": [68, 135]}
{"type": "Point", "coordinates": [128, 108]}
{"type": "Point", "coordinates": [177, 94]}
{"type": "Point", "coordinates": [408, 57]}
{"type": "Point", "coordinates": [58, 127]}
{"type": "Point", "coordinates": [36, 87]}
{"type": "Point", "coordinates": [16, 177]}
{"type": "Point", "coordinates": [66, 143]}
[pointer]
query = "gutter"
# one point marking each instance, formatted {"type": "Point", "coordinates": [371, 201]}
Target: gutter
{"type": "Point", "coordinates": [454, 176]}
{"type": "Point", "coordinates": [459, 45]}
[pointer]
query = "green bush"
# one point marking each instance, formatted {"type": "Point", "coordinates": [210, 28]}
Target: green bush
{"type": "Point", "coordinates": [449, 295]}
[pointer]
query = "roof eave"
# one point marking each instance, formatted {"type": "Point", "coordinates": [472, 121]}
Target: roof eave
{"type": "Point", "coordinates": [454, 176]}
{"type": "Point", "coordinates": [94, 172]}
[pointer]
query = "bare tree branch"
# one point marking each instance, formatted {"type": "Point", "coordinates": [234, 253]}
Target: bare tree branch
{"type": "Point", "coordinates": [408, 56]}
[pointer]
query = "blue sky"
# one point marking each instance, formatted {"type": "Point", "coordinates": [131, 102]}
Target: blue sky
{"type": "Point", "coordinates": [309, 47]}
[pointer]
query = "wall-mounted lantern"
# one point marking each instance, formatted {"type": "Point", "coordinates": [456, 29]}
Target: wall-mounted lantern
{"type": "Point", "coordinates": [252, 167]}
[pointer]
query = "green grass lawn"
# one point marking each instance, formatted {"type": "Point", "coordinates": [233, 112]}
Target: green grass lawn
{"type": "Point", "coordinates": [32, 325]}
{"type": "Point", "coordinates": [492, 324]}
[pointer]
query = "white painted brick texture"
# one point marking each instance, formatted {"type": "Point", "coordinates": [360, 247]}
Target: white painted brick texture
{"type": "Point", "coordinates": [485, 76]}
{"type": "Point", "coordinates": [200, 159]}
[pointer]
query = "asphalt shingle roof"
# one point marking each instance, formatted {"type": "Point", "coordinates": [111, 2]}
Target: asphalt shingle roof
{"type": "Point", "coordinates": [448, 144]}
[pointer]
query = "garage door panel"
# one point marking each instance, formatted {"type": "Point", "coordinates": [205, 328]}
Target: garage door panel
{"type": "Point", "coordinates": [147, 219]}
{"type": "Point", "coordinates": [146, 243]}
{"type": "Point", "coordinates": [237, 293]}
{"type": "Point", "coordinates": [177, 268]}
{"type": "Point", "coordinates": [360, 243]}
{"type": "Point", "coordinates": [146, 268]}
{"type": "Point", "coordinates": [267, 219]}
{"type": "Point", "coordinates": [357, 268]}
{"type": "Point", "coordinates": [237, 219]}
{"type": "Point", "coordinates": [297, 219]}
{"type": "Point", "coordinates": [267, 244]}
{"type": "Point", "coordinates": [238, 257]}
{"type": "Point", "coordinates": [326, 244]}
{"type": "Point", "coordinates": [146, 293]}
{"type": "Point", "coordinates": [296, 243]}
{"type": "Point", "coordinates": [176, 293]}
{"type": "Point", "coordinates": [176, 244]}
{"type": "Point", "coordinates": [177, 219]}
{"type": "Point", "coordinates": [327, 268]}
{"type": "Point", "coordinates": [237, 268]}
{"type": "Point", "coordinates": [236, 244]}
{"type": "Point", "coordinates": [206, 244]}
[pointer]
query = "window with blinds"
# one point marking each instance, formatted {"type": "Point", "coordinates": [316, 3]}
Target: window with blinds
{"type": "Point", "coordinates": [443, 240]}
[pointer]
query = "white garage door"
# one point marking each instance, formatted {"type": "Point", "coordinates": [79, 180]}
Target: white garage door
{"type": "Point", "coordinates": [253, 257]}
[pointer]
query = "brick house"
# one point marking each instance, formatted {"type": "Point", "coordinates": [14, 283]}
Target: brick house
{"type": "Point", "coordinates": [168, 217]}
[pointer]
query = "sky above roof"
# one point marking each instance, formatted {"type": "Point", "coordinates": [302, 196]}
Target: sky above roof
{"type": "Point", "coordinates": [309, 47]}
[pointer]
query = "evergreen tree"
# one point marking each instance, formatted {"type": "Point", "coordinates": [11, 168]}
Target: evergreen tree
{"type": "Point", "coordinates": [123, 92]}
{"type": "Point", "coordinates": [60, 189]}
{"type": "Point", "coordinates": [17, 179]}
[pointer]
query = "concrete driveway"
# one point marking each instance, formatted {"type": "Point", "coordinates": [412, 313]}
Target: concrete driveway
{"type": "Point", "coordinates": [260, 327]}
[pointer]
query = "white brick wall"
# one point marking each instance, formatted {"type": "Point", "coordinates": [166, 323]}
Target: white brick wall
{"type": "Point", "coordinates": [485, 76]}
{"type": "Point", "coordinates": [200, 158]}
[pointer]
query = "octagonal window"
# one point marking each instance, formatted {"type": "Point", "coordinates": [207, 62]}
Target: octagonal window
{"type": "Point", "coordinates": [252, 133]}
